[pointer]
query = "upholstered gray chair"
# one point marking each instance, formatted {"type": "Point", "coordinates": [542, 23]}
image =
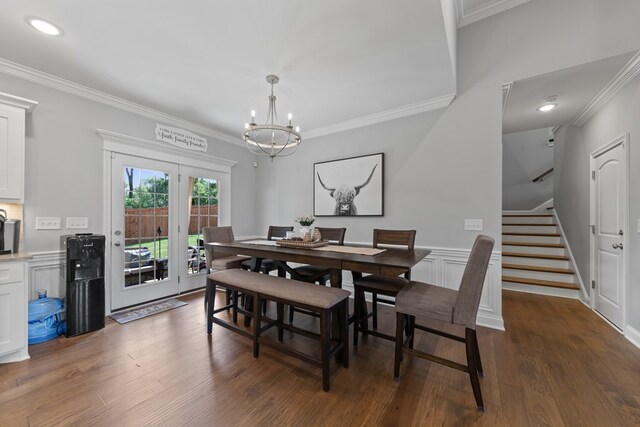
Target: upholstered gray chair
{"type": "Point", "coordinates": [379, 285]}
{"type": "Point", "coordinates": [316, 273]}
{"type": "Point", "coordinates": [220, 259]}
{"type": "Point", "coordinates": [455, 307]}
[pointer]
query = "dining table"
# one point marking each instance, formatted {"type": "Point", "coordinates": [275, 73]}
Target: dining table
{"type": "Point", "coordinates": [388, 261]}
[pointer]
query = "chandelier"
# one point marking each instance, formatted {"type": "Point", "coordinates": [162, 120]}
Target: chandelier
{"type": "Point", "coordinates": [271, 139]}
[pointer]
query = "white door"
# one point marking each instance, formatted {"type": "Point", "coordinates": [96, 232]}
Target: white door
{"type": "Point", "coordinates": [198, 209]}
{"type": "Point", "coordinates": [144, 231]}
{"type": "Point", "coordinates": [609, 214]}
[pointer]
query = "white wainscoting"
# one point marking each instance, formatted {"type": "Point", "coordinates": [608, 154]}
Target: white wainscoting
{"type": "Point", "coordinates": [44, 273]}
{"type": "Point", "coordinates": [444, 267]}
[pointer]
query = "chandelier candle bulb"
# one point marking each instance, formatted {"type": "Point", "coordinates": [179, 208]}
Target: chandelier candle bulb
{"type": "Point", "coordinates": [290, 117]}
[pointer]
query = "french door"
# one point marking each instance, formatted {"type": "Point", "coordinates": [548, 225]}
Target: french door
{"type": "Point", "coordinates": [199, 195]}
{"type": "Point", "coordinates": [144, 230]}
{"type": "Point", "coordinates": [158, 210]}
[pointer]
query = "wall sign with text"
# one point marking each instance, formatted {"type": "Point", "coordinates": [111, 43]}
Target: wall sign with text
{"type": "Point", "coordinates": [181, 138]}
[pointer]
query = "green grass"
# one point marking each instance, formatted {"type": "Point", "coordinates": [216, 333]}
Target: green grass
{"type": "Point", "coordinates": [160, 248]}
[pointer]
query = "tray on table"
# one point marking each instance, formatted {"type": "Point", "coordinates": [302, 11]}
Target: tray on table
{"type": "Point", "coordinates": [300, 244]}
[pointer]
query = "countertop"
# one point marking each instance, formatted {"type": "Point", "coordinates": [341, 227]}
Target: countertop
{"type": "Point", "coordinates": [20, 256]}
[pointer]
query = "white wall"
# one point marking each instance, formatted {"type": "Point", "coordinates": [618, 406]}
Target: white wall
{"type": "Point", "coordinates": [619, 116]}
{"type": "Point", "coordinates": [525, 155]}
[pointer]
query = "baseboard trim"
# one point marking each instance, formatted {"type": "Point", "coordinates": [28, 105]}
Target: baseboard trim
{"type": "Point", "coordinates": [633, 335]}
{"type": "Point", "coordinates": [583, 291]}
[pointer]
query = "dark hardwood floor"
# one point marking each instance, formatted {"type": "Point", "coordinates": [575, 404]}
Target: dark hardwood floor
{"type": "Point", "coordinates": [557, 364]}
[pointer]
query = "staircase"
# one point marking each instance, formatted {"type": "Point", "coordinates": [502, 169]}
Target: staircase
{"type": "Point", "coordinates": [534, 257]}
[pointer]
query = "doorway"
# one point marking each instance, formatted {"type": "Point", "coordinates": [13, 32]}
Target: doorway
{"type": "Point", "coordinates": [609, 219]}
{"type": "Point", "coordinates": [157, 200]}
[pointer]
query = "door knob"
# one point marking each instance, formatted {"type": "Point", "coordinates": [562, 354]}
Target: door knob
{"type": "Point", "coordinates": [116, 243]}
{"type": "Point", "coordinates": [617, 246]}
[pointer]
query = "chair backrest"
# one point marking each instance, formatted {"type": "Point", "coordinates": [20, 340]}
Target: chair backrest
{"type": "Point", "coordinates": [334, 235]}
{"type": "Point", "coordinates": [278, 231]}
{"type": "Point", "coordinates": [466, 307]}
{"type": "Point", "coordinates": [405, 238]}
{"type": "Point", "coordinates": [216, 234]}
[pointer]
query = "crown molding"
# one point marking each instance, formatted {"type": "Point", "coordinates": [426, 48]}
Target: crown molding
{"type": "Point", "coordinates": [491, 7]}
{"type": "Point", "coordinates": [49, 80]}
{"type": "Point", "coordinates": [396, 113]}
{"type": "Point", "coordinates": [506, 90]}
{"type": "Point", "coordinates": [58, 83]}
{"type": "Point", "coordinates": [626, 75]}
{"type": "Point", "coordinates": [16, 101]}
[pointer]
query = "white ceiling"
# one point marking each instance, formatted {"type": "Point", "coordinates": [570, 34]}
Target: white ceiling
{"type": "Point", "coordinates": [341, 63]}
{"type": "Point", "coordinates": [576, 88]}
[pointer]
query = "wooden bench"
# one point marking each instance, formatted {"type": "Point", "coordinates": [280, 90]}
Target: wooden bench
{"type": "Point", "coordinates": [327, 302]}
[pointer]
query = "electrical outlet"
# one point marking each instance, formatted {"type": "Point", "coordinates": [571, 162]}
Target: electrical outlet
{"type": "Point", "coordinates": [77, 222]}
{"type": "Point", "coordinates": [48, 223]}
{"type": "Point", "coordinates": [473, 224]}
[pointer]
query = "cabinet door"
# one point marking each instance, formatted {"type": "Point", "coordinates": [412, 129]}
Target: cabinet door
{"type": "Point", "coordinates": [13, 318]}
{"type": "Point", "coordinates": [11, 153]}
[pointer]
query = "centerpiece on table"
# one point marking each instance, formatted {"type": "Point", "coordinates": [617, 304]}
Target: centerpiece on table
{"type": "Point", "coordinates": [305, 226]}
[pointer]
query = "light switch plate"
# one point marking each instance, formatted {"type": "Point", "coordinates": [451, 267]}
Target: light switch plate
{"type": "Point", "coordinates": [473, 224]}
{"type": "Point", "coordinates": [77, 222]}
{"type": "Point", "coordinates": [48, 223]}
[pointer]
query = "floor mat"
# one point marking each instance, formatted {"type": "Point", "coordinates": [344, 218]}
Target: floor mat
{"type": "Point", "coordinates": [146, 310]}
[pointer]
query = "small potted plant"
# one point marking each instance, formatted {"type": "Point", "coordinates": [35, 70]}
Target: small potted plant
{"type": "Point", "coordinates": [305, 224]}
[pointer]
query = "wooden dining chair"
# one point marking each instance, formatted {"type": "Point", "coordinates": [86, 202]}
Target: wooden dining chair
{"type": "Point", "coordinates": [316, 273]}
{"type": "Point", "coordinates": [220, 259]}
{"type": "Point", "coordinates": [379, 285]}
{"type": "Point", "coordinates": [268, 265]}
{"type": "Point", "coordinates": [450, 306]}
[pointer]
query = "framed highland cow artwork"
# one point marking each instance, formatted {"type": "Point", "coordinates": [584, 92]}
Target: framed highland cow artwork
{"type": "Point", "coordinates": [349, 187]}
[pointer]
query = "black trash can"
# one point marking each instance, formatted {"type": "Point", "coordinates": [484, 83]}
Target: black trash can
{"type": "Point", "coordinates": [83, 276]}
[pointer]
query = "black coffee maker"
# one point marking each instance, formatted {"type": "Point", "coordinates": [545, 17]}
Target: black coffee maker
{"type": "Point", "coordinates": [9, 234]}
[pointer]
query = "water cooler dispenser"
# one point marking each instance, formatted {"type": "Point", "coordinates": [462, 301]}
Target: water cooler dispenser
{"type": "Point", "coordinates": [83, 277]}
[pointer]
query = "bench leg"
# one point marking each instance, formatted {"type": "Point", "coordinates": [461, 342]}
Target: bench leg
{"type": "Point", "coordinates": [291, 312]}
{"type": "Point", "coordinates": [234, 311]}
{"type": "Point", "coordinates": [400, 319]}
{"type": "Point", "coordinates": [325, 342]}
{"type": "Point", "coordinates": [211, 288]}
{"type": "Point", "coordinates": [257, 324]}
{"type": "Point", "coordinates": [280, 310]}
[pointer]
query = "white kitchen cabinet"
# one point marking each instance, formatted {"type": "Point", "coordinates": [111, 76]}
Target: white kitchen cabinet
{"type": "Point", "coordinates": [12, 146]}
{"type": "Point", "coordinates": [13, 310]}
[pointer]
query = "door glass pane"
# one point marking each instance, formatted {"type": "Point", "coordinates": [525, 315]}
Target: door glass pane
{"type": "Point", "coordinates": [203, 212]}
{"type": "Point", "coordinates": [146, 251]}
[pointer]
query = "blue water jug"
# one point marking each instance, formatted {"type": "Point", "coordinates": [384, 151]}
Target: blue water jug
{"type": "Point", "coordinates": [45, 318]}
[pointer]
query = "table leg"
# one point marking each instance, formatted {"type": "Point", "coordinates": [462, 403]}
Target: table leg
{"type": "Point", "coordinates": [248, 300]}
{"type": "Point", "coordinates": [363, 305]}
{"type": "Point", "coordinates": [335, 278]}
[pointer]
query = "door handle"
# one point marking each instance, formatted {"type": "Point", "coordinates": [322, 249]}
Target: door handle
{"type": "Point", "coordinates": [617, 246]}
{"type": "Point", "coordinates": [116, 243]}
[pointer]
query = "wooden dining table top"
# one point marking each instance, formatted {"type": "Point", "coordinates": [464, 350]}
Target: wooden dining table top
{"type": "Point", "coordinates": [392, 262]}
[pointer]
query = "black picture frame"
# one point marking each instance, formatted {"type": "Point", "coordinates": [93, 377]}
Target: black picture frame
{"type": "Point", "coordinates": [352, 186]}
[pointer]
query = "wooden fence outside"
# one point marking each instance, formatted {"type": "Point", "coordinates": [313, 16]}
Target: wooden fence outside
{"type": "Point", "coordinates": [154, 222]}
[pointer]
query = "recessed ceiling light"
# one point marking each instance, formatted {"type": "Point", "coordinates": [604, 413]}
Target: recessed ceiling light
{"type": "Point", "coordinates": [547, 107]}
{"type": "Point", "coordinates": [45, 27]}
